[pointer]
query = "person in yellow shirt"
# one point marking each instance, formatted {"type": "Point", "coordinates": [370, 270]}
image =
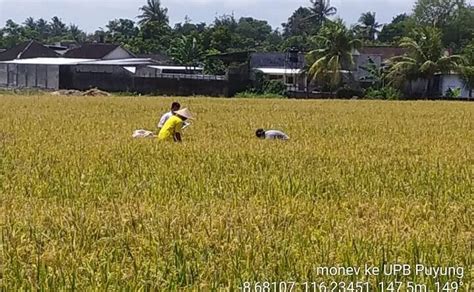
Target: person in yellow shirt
{"type": "Point", "coordinates": [173, 126]}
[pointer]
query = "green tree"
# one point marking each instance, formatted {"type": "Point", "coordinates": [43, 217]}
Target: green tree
{"type": "Point", "coordinates": [153, 12]}
{"type": "Point", "coordinates": [188, 28]}
{"type": "Point", "coordinates": [425, 58]}
{"type": "Point", "coordinates": [400, 26]}
{"type": "Point", "coordinates": [459, 31]}
{"type": "Point", "coordinates": [212, 65]}
{"type": "Point", "coordinates": [187, 51]}
{"type": "Point", "coordinates": [13, 34]}
{"type": "Point", "coordinates": [467, 70]}
{"type": "Point", "coordinates": [368, 27]}
{"type": "Point", "coordinates": [223, 34]}
{"type": "Point", "coordinates": [301, 22]}
{"type": "Point", "coordinates": [321, 10]}
{"type": "Point", "coordinates": [154, 34]}
{"type": "Point", "coordinates": [300, 42]}
{"type": "Point", "coordinates": [43, 29]}
{"type": "Point", "coordinates": [76, 34]}
{"type": "Point", "coordinates": [30, 23]}
{"type": "Point", "coordinates": [253, 33]}
{"type": "Point", "coordinates": [437, 12]}
{"type": "Point", "coordinates": [121, 30]}
{"type": "Point", "coordinates": [58, 29]}
{"type": "Point", "coordinates": [335, 45]}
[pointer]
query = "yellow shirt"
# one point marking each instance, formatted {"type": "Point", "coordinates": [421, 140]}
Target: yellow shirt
{"type": "Point", "coordinates": [172, 126]}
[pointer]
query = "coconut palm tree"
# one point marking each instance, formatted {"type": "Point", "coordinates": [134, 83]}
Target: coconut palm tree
{"type": "Point", "coordinates": [43, 28]}
{"type": "Point", "coordinates": [76, 33]}
{"type": "Point", "coordinates": [153, 11]}
{"type": "Point", "coordinates": [336, 44]}
{"type": "Point", "coordinates": [30, 23]}
{"type": "Point", "coordinates": [58, 28]}
{"type": "Point", "coordinates": [368, 26]}
{"type": "Point", "coordinates": [320, 11]}
{"type": "Point", "coordinates": [425, 58]}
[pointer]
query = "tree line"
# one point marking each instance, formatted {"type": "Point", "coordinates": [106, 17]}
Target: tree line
{"type": "Point", "coordinates": [433, 28]}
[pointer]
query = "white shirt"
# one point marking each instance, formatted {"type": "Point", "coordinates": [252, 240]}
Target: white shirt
{"type": "Point", "coordinates": [274, 134]}
{"type": "Point", "coordinates": [165, 117]}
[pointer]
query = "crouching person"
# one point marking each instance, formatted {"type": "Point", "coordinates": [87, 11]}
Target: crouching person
{"type": "Point", "coordinates": [173, 126]}
{"type": "Point", "coordinates": [271, 134]}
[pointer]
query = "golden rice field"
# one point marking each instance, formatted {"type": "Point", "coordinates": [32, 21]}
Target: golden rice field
{"type": "Point", "coordinates": [85, 207]}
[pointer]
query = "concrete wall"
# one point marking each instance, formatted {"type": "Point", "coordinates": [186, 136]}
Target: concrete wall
{"type": "Point", "coordinates": [453, 81]}
{"type": "Point", "coordinates": [3, 75]}
{"type": "Point", "coordinates": [117, 79]}
{"type": "Point", "coordinates": [29, 76]}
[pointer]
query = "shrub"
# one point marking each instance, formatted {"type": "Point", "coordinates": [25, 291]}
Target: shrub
{"type": "Point", "coordinates": [453, 92]}
{"type": "Point", "coordinates": [265, 88]}
{"type": "Point", "coordinates": [274, 87]}
{"type": "Point", "coordinates": [250, 94]}
{"type": "Point", "coordinates": [386, 92]}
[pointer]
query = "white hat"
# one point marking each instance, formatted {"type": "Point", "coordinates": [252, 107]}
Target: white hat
{"type": "Point", "coordinates": [185, 113]}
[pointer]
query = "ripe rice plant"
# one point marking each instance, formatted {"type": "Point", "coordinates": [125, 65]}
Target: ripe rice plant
{"type": "Point", "coordinates": [86, 207]}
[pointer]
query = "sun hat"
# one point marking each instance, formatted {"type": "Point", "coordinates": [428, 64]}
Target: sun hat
{"type": "Point", "coordinates": [185, 113]}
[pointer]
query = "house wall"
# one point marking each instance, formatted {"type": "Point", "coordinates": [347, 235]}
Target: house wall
{"type": "Point", "coordinates": [29, 76]}
{"type": "Point", "coordinates": [453, 81]}
{"type": "Point", "coordinates": [118, 53]}
{"type": "Point", "coordinates": [362, 61]}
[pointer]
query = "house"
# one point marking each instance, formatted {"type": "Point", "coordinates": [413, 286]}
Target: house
{"type": "Point", "coordinates": [27, 50]}
{"type": "Point", "coordinates": [286, 67]}
{"type": "Point", "coordinates": [378, 55]}
{"type": "Point", "coordinates": [99, 51]}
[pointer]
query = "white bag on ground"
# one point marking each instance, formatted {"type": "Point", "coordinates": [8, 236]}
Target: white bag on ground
{"type": "Point", "coordinates": [143, 134]}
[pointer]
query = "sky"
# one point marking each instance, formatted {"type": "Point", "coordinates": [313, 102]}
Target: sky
{"type": "Point", "coordinates": [90, 15]}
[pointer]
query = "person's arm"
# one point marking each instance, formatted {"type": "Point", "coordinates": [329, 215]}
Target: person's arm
{"type": "Point", "coordinates": [186, 124]}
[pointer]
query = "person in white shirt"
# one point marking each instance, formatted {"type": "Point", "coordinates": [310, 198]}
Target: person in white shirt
{"type": "Point", "coordinates": [271, 135]}
{"type": "Point", "coordinates": [175, 106]}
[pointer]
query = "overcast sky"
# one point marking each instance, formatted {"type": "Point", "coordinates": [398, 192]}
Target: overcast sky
{"type": "Point", "coordinates": [89, 15]}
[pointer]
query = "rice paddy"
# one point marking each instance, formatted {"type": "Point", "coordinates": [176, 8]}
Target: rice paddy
{"type": "Point", "coordinates": [86, 207]}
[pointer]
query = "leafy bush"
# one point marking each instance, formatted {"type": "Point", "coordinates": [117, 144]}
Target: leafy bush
{"type": "Point", "coordinates": [386, 92]}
